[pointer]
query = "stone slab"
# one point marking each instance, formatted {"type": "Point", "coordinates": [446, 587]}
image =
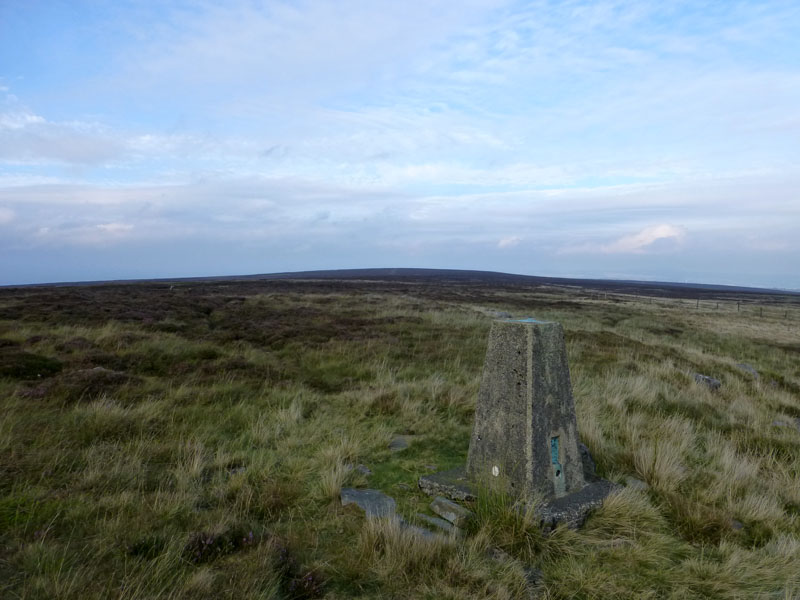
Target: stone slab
{"type": "Point", "coordinates": [572, 509]}
{"type": "Point", "coordinates": [401, 442]}
{"type": "Point", "coordinates": [374, 503]}
{"type": "Point", "coordinates": [449, 510]}
{"type": "Point", "coordinates": [451, 484]}
{"type": "Point", "coordinates": [445, 526]}
{"type": "Point", "coordinates": [421, 531]}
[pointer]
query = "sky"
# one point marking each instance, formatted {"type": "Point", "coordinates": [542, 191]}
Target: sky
{"type": "Point", "coordinates": [626, 140]}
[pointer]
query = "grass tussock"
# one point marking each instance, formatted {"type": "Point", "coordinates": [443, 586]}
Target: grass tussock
{"type": "Point", "coordinates": [191, 441]}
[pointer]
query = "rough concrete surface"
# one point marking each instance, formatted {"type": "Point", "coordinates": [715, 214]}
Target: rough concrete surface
{"type": "Point", "coordinates": [525, 430]}
{"type": "Point", "coordinates": [573, 508]}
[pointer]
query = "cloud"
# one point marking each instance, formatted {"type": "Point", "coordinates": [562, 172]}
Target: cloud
{"type": "Point", "coordinates": [641, 241]}
{"type": "Point", "coordinates": [6, 215]}
{"type": "Point", "coordinates": [19, 120]}
{"type": "Point", "coordinates": [590, 128]}
{"type": "Point", "coordinates": [29, 138]}
{"type": "Point", "coordinates": [508, 242]}
{"type": "Point", "coordinates": [114, 227]}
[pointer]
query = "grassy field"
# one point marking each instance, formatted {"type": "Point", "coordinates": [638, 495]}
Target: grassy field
{"type": "Point", "coordinates": [190, 441]}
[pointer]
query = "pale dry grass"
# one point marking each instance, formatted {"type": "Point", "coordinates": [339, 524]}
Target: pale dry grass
{"type": "Point", "coordinates": [393, 551]}
{"type": "Point", "coordinates": [660, 464]}
{"type": "Point", "coordinates": [191, 460]}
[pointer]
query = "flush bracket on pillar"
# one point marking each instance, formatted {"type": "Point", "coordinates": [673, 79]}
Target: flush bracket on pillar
{"type": "Point", "coordinates": [559, 482]}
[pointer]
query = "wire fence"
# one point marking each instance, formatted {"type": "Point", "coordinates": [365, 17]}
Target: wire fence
{"type": "Point", "coordinates": [775, 308]}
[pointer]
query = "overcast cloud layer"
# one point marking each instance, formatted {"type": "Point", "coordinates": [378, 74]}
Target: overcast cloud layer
{"type": "Point", "coordinates": [638, 140]}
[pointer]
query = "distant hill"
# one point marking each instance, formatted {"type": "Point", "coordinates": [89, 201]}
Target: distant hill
{"type": "Point", "coordinates": [494, 277]}
{"type": "Point", "coordinates": [457, 276]}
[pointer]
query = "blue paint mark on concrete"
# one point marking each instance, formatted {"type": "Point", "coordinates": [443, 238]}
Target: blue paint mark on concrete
{"type": "Point", "coordinates": [527, 320]}
{"type": "Point", "coordinates": [559, 483]}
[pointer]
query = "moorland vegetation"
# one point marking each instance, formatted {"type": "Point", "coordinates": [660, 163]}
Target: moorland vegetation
{"type": "Point", "coordinates": [190, 440]}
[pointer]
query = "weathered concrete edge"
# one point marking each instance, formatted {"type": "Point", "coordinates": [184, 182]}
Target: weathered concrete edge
{"type": "Point", "coordinates": [573, 509]}
{"type": "Point", "coordinates": [452, 484]}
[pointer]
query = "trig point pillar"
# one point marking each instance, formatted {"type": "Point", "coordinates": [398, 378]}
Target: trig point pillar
{"type": "Point", "coordinates": [525, 436]}
{"type": "Point", "coordinates": [525, 433]}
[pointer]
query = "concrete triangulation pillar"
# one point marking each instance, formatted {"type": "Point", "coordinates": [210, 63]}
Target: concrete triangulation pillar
{"type": "Point", "coordinates": [525, 433]}
{"type": "Point", "coordinates": [525, 438]}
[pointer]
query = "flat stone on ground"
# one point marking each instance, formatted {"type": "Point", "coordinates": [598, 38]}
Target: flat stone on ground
{"type": "Point", "coordinates": [374, 503]}
{"type": "Point", "coordinates": [451, 484]}
{"type": "Point", "coordinates": [400, 442]}
{"type": "Point", "coordinates": [447, 509]}
{"type": "Point", "coordinates": [573, 508]}
{"type": "Point", "coordinates": [437, 522]}
{"type": "Point", "coordinates": [709, 382]}
{"type": "Point", "coordinates": [749, 369]}
{"type": "Point", "coordinates": [421, 531]}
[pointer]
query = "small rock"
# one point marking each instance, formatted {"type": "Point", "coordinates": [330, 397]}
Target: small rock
{"type": "Point", "coordinates": [636, 484]}
{"type": "Point", "coordinates": [499, 555]}
{"type": "Point", "coordinates": [374, 503]}
{"type": "Point", "coordinates": [533, 576]}
{"type": "Point", "coordinates": [447, 509]}
{"type": "Point", "coordinates": [421, 531]}
{"type": "Point", "coordinates": [781, 423]}
{"type": "Point", "coordinates": [749, 369]}
{"type": "Point", "coordinates": [364, 470]}
{"type": "Point", "coordinates": [399, 443]}
{"type": "Point", "coordinates": [403, 486]}
{"type": "Point", "coordinates": [431, 467]}
{"type": "Point", "coordinates": [501, 314]}
{"type": "Point", "coordinates": [709, 382]}
{"type": "Point", "coordinates": [736, 525]}
{"type": "Point", "coordinates": [437, 522]}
